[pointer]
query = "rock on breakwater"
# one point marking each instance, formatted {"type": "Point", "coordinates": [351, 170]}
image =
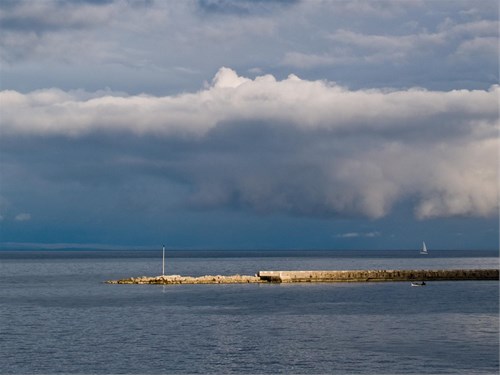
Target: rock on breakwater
{"type": "Point", "coordinates": [320, 276]}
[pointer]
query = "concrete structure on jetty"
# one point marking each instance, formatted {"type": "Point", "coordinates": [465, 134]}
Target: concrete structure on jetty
{"type": "Point", "coordinates": [320, 276]}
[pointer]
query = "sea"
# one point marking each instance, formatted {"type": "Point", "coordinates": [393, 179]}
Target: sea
{"type": "Point", "coordinates": [58, 316]}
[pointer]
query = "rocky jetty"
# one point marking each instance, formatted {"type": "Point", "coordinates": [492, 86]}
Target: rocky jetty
{"type": "Point", "coordinates": [320, 276]}
{"type": "Point", "coordinates": [178, 279]}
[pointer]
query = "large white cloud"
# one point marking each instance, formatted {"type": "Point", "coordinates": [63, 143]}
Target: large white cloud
{"type": "Point", "coordinates": [297, 146]}
{"type": "Point", "coordinates": [296, 102]}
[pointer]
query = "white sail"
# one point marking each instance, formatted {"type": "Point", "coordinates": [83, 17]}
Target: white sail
{"type": "Point", "coordinates": [424, 249]}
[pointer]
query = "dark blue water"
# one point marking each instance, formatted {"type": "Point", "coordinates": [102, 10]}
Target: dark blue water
{"type": "Point", "coordinates": [56, 316]}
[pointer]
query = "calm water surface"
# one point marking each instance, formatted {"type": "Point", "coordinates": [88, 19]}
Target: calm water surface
{"type": "Point", "coordinates": [57, 316]}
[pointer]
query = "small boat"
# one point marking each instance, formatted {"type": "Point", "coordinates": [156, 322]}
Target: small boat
{"type": "Point", "coordinates": [418, 283]}
{"type": "Point", "coordinates": [424, 249]}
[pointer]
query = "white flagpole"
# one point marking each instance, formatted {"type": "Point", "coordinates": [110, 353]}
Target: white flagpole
{"type": "Point", "coordinates": [163, 262]}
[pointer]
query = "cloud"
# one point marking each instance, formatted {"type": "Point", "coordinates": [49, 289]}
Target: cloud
{"type": "Point", "coordinates": [128, 45]}
{"type": "Point", "coordinates": [309, 60]}
{"type": "Point", "coordinates": [23, 217]}
{"type": "Point", "coordinates": [308, 105]}
{"type": "Point", "coordinates": [354, 47]}
{"type": "Point", "coordinates": [379, 48]}
{"type": "Point", "coordinates": [68, 31]}
{"type": "Point", "coordinates": [42, 16]}
{"type": "Point", "coordinates": [243, 7]}
{"type": "Point", "coordinates": [358, 234]}
{"type": "Point", "coordinates": [471, 49]}
{"type": "Point", "coordinates": [291, 146]}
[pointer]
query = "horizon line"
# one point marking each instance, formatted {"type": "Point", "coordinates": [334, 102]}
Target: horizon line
{"type": "Point", "coordinates": [15, 246]}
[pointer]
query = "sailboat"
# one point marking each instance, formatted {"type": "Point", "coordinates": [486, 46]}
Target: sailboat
{"type": "Point", "coordinates": [424, 249]}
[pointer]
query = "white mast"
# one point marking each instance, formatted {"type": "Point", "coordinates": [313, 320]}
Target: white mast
{"type": "Point", "coordinates": [163, 262]}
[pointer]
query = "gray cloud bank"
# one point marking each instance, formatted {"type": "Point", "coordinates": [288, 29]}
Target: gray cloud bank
{"type": "Point", "coordinates": [164, 47]}
{"type": "Point", "coordinates": [294, 146]}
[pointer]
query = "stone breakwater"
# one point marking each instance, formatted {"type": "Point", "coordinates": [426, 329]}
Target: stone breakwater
{"type": "Point", "coordinates": [320, 276]}
{"type": "Point", "coordinates": [178, 279]}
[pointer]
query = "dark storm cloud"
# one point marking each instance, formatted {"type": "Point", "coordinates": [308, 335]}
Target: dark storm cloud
{"type": "Point", "coordinates": [110, 118]}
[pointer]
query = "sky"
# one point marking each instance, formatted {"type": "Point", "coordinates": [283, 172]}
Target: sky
{"type": "Point", "coordinates": [218, 124]}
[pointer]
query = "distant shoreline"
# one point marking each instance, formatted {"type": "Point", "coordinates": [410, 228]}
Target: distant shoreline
{"type": "Point", "coordinates": [55, 247]}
